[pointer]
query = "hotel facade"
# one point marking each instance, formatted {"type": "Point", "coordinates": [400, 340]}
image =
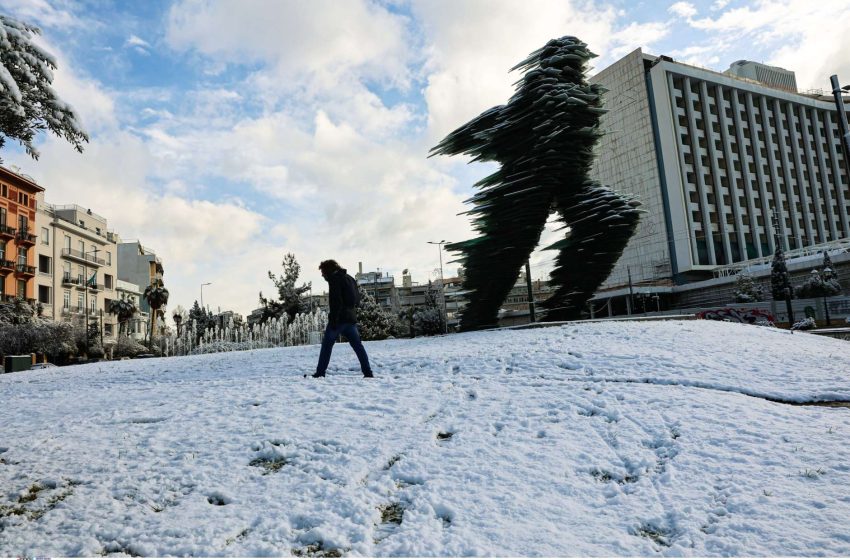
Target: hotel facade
{"type": "Point", "coordinates": [726, 167]}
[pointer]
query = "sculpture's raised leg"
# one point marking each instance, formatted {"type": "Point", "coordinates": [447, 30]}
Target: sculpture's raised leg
{"type": "Point", "coordinates": [601, 223]}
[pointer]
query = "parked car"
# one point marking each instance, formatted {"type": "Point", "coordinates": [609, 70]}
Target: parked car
{"type": "Point", "coordinates": [45, 365]}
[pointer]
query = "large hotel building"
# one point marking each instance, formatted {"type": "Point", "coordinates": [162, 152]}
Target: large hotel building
{"type": "Point", "coordinates": [726, 165]}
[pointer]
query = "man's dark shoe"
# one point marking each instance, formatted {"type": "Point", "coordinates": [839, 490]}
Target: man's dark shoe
{"type": "Point", "coordinates": [368, 374]}
{"type": "Point", "coordinates": [316, 375]}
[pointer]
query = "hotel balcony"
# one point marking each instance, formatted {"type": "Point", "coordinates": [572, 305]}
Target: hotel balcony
{"type": "Point", "coordinates": [79, 256]}
{"type": "Point", "coordinates": [25, 270]}
{"type": "Point", "coordinates": [25, 238]}
{"type": "Point", "coordinates": [7, 266]}
{"type": "Point", "coordinates": [94, 286]}
{"type": "Point", "coordinates": [6, 232]}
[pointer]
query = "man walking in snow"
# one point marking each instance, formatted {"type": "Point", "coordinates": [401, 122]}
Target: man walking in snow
{"type": "Point", "coordinates": [343, 296]}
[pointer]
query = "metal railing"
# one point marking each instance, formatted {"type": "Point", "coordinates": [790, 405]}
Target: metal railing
{"type": "Point", "coordinates": [6, 230]}
{"type": "Point", "coordinates": [68, 279]}
{"type": "Point", "coordinates": [25, 269]}
{"type": "Point", "coordinates": [23, 236]}
{"type": "Point", "coordinates": [66, 252]}
{"type": "Point", "coordinates": [7, 264]}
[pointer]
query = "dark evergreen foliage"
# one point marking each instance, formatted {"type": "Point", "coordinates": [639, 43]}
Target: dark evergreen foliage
{"type": "Point", "coordinates": [746, 289]}
{"type": "Point", "coordinates": [543, 139]}
{"type": "Point", "coordinates": [372, 322]}
{"type": "Point", "coordinates": [291, 298]}
{"type": "Point", "coordinates": [780, 283]}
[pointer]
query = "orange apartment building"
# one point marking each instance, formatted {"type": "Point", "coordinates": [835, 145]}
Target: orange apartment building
{"type": "Point", "coordinates": [17, 222]}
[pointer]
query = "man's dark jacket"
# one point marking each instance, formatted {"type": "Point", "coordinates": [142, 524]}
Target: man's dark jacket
{"type": "Point", "coordinates": [339, 313]}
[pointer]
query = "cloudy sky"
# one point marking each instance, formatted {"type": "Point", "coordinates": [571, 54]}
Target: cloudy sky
{"type": "Point", "coordinates": [225, 134]}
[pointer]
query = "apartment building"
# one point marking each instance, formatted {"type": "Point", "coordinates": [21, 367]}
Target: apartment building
{"type": "Point", "coordinates": [141, 266]}
{"type": "Point", "coordinates": [139, 326]}
{"type": "Point", "coordinates": [725, 166]}
{"type": "Point", "coordinates": [18, 193]}
{"type": "Point", "coordinates": [77, 266]}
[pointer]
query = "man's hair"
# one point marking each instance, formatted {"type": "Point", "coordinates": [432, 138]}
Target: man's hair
{"type": "Point", "coordinates": [329, 267]}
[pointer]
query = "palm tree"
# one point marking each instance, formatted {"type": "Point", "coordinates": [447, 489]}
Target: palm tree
{"type": "Point", "coordinates": [124, 309]}
{"type": "Point", "coordinates": [157, 296]}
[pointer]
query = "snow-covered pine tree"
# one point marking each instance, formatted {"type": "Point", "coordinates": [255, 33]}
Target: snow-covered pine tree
{"type": "Point", "coordinates": [291, 298]}
{"type": "Point", "coordinates": [830, 278]}
{"type": "Point", "coordinates": [428, 319]}
{"type": "Point", "coordinates": [28, 103]}
{"type": "Point", "coordinates": [780, 282]}
{"type": "Point", "coordinates": [746, 289]}
{"type": "Point", "coordinates": [372, 322]}
{"type": "Point", "coordinates": [813, 286]}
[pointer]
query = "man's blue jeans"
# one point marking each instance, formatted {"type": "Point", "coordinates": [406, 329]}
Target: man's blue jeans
{"type": "Point", "coordinates": [349, 331]}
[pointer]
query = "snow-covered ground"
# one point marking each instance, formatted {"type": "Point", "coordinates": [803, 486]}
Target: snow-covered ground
{"type": "Point", "coordinates": [588, 439]}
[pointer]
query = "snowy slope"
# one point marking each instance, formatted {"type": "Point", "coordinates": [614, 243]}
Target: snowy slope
{"type": "Point", "coordinates": [590, 439]}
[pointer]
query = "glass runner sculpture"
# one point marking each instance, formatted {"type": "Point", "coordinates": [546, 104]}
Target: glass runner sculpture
{"type": "Point", "coordinates": [543, 138]}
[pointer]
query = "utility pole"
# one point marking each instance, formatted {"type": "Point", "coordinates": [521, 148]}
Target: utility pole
{"type": "Point", "coordinates": [530, 291]}
{"type": "Point", "coordinates": [439, 245]}
{"type": "Point", "coordinates": [837, 90]}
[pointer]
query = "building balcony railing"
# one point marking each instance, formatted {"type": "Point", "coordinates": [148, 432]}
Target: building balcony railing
{"type": "Point", "coordinates": [8, 266]}
{"type": "Point", "coordinates": [68, 280]}
{"type": "Point", "coordinates": [83, 257]}
{"type": "Point", "coordinates": [94, 286]}
{"type": "Point", "coordinates": [6, 231]}
{"type": "Point", "coordinates": [25, 270]}
{"type": "Point", "coordinates": [23, 237]}
{"type": "Point", "coordinates": [8, 298]}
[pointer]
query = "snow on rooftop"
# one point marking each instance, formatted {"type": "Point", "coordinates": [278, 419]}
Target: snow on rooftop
{"type": "Point", "coordinates": [611, 439]}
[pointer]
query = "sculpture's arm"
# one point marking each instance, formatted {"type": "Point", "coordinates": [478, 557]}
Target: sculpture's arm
{"type": "Point", "coordinates": [473, 138]}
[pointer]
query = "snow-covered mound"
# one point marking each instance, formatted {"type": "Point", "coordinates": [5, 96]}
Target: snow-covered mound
{"type": "Point", "coordinates": [589, 439]}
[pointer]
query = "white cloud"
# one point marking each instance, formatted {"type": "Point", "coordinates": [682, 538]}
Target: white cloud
{"type": "Point", "coordinates": [683, 9]}
{"type": "Point", "coordinates": [137, 44]}
{"type": "Point", "coordinates": [306, 44]}
{"type": "Point", "coordinates": [42, 13]}
{"type": "Point", "coordinates": [472, 45]}
{"type": "Point", "coordinates": [809, 38]}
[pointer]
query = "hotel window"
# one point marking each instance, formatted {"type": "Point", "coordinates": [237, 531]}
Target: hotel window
{"type": "Point", "coordinates": [80, 302]}
{"type": "Point", "coordinates": [66, 299]}
{"type": "Point", "coordinates": [2, 216]}
{"type": "Point", "coordinates": [44, 294]}
{"type": "Point", "coordinates": [45, 236]}
{"type": "Point", "coordinates": [68, 242]}
{"type": "Point", "coordinates": [66, 271]}
{"type": "Point", "coordinates": [2, 253]}
{"type": "Point", "coordinates": [107, 281]}
{"type": "Point", "coordinates": [93, 305]}
{"type": "Point", "coordinates": [22, 255]}
{"type": "Point", "coordinates": [108, 258]}
{"type": "Point", "coordinates": [22, 289]}
{"type": "Point", "coordinates": [23, 224]}
{"type": "Point", "coordinates": [4, 191]}
{"type": "Point", "coordinates": [82, 246]}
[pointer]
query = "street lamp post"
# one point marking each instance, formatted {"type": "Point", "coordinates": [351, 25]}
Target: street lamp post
{"type": "Point", "coordinates": [202, 296]}
{"type": "Point", "coordinates": [439, 245]}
